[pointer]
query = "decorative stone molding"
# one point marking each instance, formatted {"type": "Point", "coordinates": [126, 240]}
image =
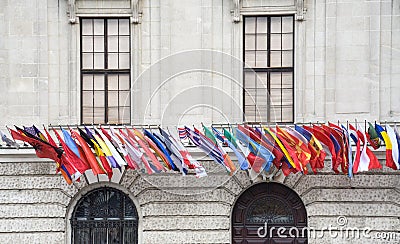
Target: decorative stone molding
{"type": "Point", "coordinates": [72, 12]}
{"type": "Point", "coordinates": [300, 10]}
{"type": "Point", "coordinates": [135, 11]}
{"type": "Point", "coordinates": [236, 11]}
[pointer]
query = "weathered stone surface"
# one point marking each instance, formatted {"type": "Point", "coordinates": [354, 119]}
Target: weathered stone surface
{"type": "Point", "coordinates": [33, 168]}
{"type": "Point", "coordinates": [186, 237]}
{"type": "Point", "coordinates": [34, 238]}
{"type": "Point", "coordinates": [386, 223]}
{"type": "Point", "coordinates": [348, 209]}
{"type": "Point", "coordinates": [187, 223]}
{"type": "Point", "coordinates": [33, 196]}
{"type": "Point", "coordinates": [32, 211]}
{"type": "Point", "coordinates": [31, 182]}
{"type": "Point", "coordinates": [186, 209]}
{"type": "Point", "coordinates": [185, 195]}
{"type": "Point", "coordinates": [233, 186]}
{"type": "Point", "coordinates": [128, 178]}
{"type": "Point", "coordinates": [351, 195]}
{"type": "Point", "coordinates": [32, 225]}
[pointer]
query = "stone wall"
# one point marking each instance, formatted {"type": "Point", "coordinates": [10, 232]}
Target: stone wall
{"type": "Point", "coordinates": [345, 62]}
{"type": "Point", "coordinates": [36, 204]}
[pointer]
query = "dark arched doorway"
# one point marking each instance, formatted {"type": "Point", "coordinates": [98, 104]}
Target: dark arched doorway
{"type": "Point", "coordinates": [104, 216]}
{"type": "Point", "coordinates": [262, 209]}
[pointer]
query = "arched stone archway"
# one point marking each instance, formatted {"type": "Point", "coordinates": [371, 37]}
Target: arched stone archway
{"type": "Point", "coordinates": [262, 209]}
{"type": "Point", "coordinates": [104, 215]}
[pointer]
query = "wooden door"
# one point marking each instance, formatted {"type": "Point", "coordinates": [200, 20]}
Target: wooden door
{"type": "Point", "coordinates": [262, 209]}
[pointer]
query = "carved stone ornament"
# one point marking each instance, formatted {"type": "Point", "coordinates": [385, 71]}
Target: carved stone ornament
{"type": "Point", "coordinates": [71, 12]}
{"type": "Point", "coordinates": [135, 11]}
{"type": "Point", "coordinates": [300, 10]}
{"type": "Point", "coordinates": [236, 11]}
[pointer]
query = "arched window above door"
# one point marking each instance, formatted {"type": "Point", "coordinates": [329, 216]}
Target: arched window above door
{"type": "Point", "coordinates": [105, 215]}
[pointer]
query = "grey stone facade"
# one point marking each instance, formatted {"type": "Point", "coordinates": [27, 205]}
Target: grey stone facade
{"type": "Point", "coordinates": [36, 204]}
{"type": "Point", "coordinates": [346, 67]}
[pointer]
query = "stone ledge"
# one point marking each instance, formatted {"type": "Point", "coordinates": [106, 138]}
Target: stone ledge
{"type": "Point", "coordinates": [34, 196]}
{"type": "Point", "coordinates": [33, 238]}
{"type": "Point", "coordinates": [353, 209]}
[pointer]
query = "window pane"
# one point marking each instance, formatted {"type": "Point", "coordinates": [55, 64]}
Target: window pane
{"type": "Point", "coordinates": [99, 44]}
{"type": "Point", "coordinates": [99, 60]}
{"type": "Point", "coordinates": [87, 44]}
{"type": "Point", "coordinates": [275, 80]}
{"type": "Point", "coordinates": [112, 27]}
{"type": "Point", "coordinates": [262, 23]}
{"type": "Point", "coordinates": [287, 114]}
{"type": "Point", "coordinates": [262, 97]}
{"type": "Point", "coordinates": [287, 97]}
{"type": "Point", "coordinates": [275, 59]}
{"type": "Point", "coordinates": [98, 27]}
{"type": "Point", "coordinates": [275, 24]}
{"type": "Point", "coordinates": [287, 59]}
{"type": "Point", "coordinates": [113, 98]}
{"type": "Point", "coordinates": [262, 80]}
{"type": "Point", "coordinates": [275, 95]}
{"type": "Point", "coordinates": [261, 42]}
{"type": "Point", "coordinates": [276, 42]}
{"type": "Point", "coordinates": [250, 58]}
{"type": "Point", "coordinates": [113, 115]}
{"type": "Point", "coordinates": [113, 60]}
{"type": "Point", "coordinates": [98, 82]}
{"type": "Point", "coordinates": [113, 82]}
{"type": "Point", "coordinates": [249, 99]}
{"type": "Point", "coordinates": [124, 82]}
{"type": "Point", "coordinates": [87, 115]}
{"type": "Point", "coordinates": [87, 27]}
{"type": "Point", "coordinates": [124, 26]}
{"type": "Point", "coordinates": [124, 43]}
{"type": "Point", "coordinates": [124, 98]}
{"type": "Point", "coordinates": [125, 114]}
{"type": "Point", "coordinates": [98, 114]}
{"type": "Point", "coordinates": [87, 99]}
{"type": "Point", "coordinates": [249, 80]}
{"type": "Point", "coordinates": [250, 25]}
{"type": "Point", "coordinates": [87, 61]}
{"type": "Point", "coordinates": [287, 41]}
{"type": "Point", "coordinates": [276, 114]}
{"type": "Point", "coordinates": [98, 98]}
{"type": "Point", "coordinates": [112, 43]}
{"type": "Point", "coordinates": [261, 59]}
{"type": "Point", "coordinates": [287, 24]}
{"type": "Point", "coordinates": [87, 82]}
{"type": "Point", "coordinates": [250, 42]}
{"type": "Point", "coordinates": [287, 80]}
{"type": "Point", "coordinates": [124, 60]}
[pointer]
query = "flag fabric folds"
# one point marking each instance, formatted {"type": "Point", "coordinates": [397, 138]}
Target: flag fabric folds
{"type": "Point", "coordinates": [291, 149]}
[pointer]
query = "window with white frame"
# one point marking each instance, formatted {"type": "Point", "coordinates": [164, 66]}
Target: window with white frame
{"type": "Point", "coordinates": [269, 69]}
{"type": "Point", "coordinates": [105, 70]}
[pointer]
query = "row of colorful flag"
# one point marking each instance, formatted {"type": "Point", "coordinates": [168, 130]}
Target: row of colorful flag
{"type": "Point", "coordinates": [291, 149]}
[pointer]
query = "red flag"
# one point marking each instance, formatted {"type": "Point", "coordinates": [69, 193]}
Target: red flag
{"type": "Point", "coordinates": [94, 164]}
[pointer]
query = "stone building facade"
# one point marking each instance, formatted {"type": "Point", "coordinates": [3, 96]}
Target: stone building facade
{"type": "Point", "coordinates": [345, 66]}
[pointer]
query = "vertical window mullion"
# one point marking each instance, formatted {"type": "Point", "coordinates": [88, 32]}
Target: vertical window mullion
{"type": "Point", "coordinates": [106, 68]}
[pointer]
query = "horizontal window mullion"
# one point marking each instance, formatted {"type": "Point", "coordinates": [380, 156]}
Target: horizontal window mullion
{"type": "Point", "coordinates": [280, 69]}
{"type": "Point", "coordinates": [102, 71]}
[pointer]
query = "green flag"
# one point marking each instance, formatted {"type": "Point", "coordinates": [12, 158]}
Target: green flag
{"type": "Point", "coordinates": [209, 134]}
{"type": "Point", "coordinates": [230, 137]}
